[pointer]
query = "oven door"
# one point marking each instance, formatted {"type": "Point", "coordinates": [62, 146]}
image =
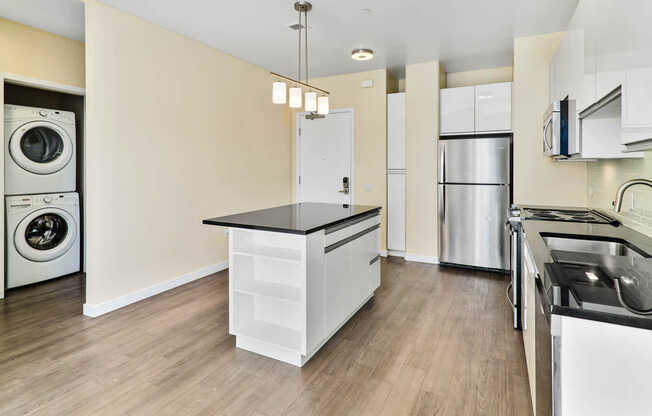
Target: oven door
{"type": "Point", "coordinates": [514, 288]}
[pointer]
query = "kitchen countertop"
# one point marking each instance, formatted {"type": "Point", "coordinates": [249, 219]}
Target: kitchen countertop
{"type": "Point", "coordinates": [639, 270]}
{"type": "Point", "coordinates": [303, 218]}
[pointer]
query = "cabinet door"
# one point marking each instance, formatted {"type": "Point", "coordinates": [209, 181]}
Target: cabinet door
{"type": "Point", "coordinates": [637, 105]}
{"type": "Point", "coordinates": [339, 296]}
{"type": "Point", "coordinates": [493, 107]}
{"type": "Point", "coordinates": [374, 262]}
{"type": "Point", "coordinates": [359, 277]}
{"type": "Point", "coordinates": [396, 131]}
{"type": "Point", "coordinates": [396, 211]}
{"type": "Point", "coordinates": [529, 325]}
{"type": "Point", "coordinates": [456, 109]}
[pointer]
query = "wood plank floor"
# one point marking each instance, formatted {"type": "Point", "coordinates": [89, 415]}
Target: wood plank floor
{"type": "Point", "coordinates": [433, 341]}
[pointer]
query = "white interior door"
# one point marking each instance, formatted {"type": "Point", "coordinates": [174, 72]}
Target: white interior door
{"type": "Point", "coordinates": [325, 158]}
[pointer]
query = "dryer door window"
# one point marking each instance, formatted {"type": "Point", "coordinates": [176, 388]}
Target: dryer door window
{"type": "Point", "coordinates": [41, 147]}
{"type": "Point", "coordinates": [41, 144]}
{"type": "Point", "coordinates": [46, 231]}
{"type": "Point", "coordinates": [45, 234]}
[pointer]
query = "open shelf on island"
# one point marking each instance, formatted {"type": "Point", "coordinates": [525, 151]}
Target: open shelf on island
{"type": "Point", "coordinates": [272, 253]}
{"type": "Point", "coordinates": [274, 334]}
{"type": "Point", "coordinates": [275, 290]}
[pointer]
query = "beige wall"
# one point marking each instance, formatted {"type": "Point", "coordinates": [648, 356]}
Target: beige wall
{"type": "Point", "coordinates": [370, 135]}
{"type": "Point", "coordinates": [37, 54]}
{"type": "Point", "coordinates": [422, 83]}
{"type": "Point", "coordinates": [537, 178]}
{"type": "Point", "coordinates": [176, 132]}
{"type": "Point", "coordinates": [607, 175]}
{"type": "Point", "coordinates": [480, 76]}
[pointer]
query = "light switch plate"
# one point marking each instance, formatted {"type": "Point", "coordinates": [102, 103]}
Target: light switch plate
{"type": "Point", "coordinates": [368, 83]}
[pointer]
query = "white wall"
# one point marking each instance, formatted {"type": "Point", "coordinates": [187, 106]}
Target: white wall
{"type": "Point", "coordinates": [176, 132]}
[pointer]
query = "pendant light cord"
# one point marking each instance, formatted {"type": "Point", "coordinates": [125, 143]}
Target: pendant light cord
{"type": "Point", "coordinates": [299, 67]}
{"type": "Point", "coordinates": [306, 46]}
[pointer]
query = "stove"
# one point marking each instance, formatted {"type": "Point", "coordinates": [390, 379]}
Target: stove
{"type": "Point", "coordinates": [566, 215]}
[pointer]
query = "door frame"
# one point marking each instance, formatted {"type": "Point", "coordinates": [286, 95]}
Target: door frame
{"type": "Point", "coordinates": [6, 77]}
{"type": "Point", "coordinates": [297, 124]}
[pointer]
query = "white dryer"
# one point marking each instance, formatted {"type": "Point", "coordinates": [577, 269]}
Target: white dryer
{"type": "Point", "coordinates": [39, 150]}
{"type": "Point", "coordinates": [42, 237]}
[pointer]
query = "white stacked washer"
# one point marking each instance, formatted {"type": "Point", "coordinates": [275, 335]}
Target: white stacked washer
{"type": "Point", "coordinates": [42, 213]}
{"type": "Point", "coordinates": [42, 237]}
{"type": "Point", "coordinates": [40, 149]}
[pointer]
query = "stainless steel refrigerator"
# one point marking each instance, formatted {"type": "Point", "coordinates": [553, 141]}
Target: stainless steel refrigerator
{"type": "Point", "coordinates": [474, 192]}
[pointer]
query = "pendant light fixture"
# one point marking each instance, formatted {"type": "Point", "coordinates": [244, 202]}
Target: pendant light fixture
{"type": "Point", "coordinates": [278, 92]}
{"type": "Point", "coordinates": [315, 99]}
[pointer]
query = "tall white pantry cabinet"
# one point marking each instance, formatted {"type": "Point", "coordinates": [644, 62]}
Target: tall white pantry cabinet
{"type": "Point", "coordinates": [396, 173]}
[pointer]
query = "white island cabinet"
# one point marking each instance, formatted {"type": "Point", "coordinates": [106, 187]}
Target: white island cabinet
{"type": "Point", "coordinates": [297, 273]}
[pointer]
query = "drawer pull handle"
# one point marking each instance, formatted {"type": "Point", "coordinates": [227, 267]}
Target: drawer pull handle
{"type": "Point", "coordinates": [375, 259]}
{"type": "Point", "coordinates": [349, 239]}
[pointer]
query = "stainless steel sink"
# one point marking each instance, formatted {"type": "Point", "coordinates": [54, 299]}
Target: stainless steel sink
{"type": "Point", "coordinates": [612, 247]}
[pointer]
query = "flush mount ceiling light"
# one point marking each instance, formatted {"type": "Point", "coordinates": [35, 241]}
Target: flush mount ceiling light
{"type": "Point", "coordinates": [316, 99]}
{"type": "Point", "coordinates": [362, 54]}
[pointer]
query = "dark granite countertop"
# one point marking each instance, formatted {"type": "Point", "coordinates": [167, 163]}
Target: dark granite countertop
{"type": "Point", "coordinates": [639, 271]}
{"type": "Point", "coordinates": [302, 218]}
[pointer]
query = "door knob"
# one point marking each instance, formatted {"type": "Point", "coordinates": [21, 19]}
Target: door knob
{"type": "Point", "coordinates": [345, 185]}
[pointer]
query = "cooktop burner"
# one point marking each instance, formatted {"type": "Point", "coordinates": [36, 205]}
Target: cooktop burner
{"type": "Point", "coordinates": [566, 215]}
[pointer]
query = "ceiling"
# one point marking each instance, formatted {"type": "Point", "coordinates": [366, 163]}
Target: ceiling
{"type": "Point", "coordinates": [63, 17]}
{"type": "Point", "coordinates": [462, 34]}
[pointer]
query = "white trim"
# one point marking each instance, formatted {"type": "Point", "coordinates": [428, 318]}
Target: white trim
{"type": "Point", "coordinates": [133, 297]}
{"type": "Point", "coordinates": [41, 84]}
{"type": "Point", "coordinates": [297, 148]}
{"type": "Point", "coordinates": [421, 259]}
{"type": "Point", "coordinates": [383, 253]}
{"type": "Point", "coordinates": [396, 253]}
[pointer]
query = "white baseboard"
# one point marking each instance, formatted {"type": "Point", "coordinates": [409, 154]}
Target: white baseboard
{"type": "Point", "coordinates": [383, 253]}
{"type": "Point", "coordinates": [396, 253]}
{"type": "Point", "coordinates": [421, 259]}
{"type": "Point", "coordinates": [133, 297]}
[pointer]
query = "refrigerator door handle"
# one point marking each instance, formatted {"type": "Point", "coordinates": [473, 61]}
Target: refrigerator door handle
{"type": "Point", "coordinates": [442, 209]}
{"type": "Point", "coordinates": [442, 162]}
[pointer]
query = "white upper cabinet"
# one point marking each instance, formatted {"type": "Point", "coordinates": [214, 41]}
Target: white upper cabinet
{"type": "Point", "coordinates": [607, 45]}
{"type": "Point", "coordinates": [493, 107]}
{"type": "Point", "coordinates": [396, 131]}
{"type": "Point", "coordinates": [637, 106]}
{"type": "Point", "coordinates": [457, 110]}
{"type": "Point", "coordinates": [476, 109]}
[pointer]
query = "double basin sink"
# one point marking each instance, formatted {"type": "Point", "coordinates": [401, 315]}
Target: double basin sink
{"type": "Point", "coordinates": [592, 245]}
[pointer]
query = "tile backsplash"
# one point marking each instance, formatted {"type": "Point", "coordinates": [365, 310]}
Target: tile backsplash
{"type": "Point", "coordinates": [604, 178]}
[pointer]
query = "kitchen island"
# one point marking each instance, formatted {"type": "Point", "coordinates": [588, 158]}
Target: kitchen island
{"type": "Point", "coordinates": [297, 273]}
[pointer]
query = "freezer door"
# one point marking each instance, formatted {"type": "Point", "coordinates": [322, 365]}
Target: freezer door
{"type": "Point", "coordinates": [472, 228]}
{"type": "Point", "coordinates": [482, 160]}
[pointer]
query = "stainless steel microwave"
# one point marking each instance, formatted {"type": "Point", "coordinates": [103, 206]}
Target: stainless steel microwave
{"type": "Point", "coordinates": [559, 129]}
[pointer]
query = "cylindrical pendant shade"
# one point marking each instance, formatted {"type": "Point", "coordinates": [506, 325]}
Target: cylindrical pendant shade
{"type": "Point", "coordinates": [322, 105]}
{"type": "Point", "coordinates": [311, 101]}
{"type": "Point", "coordinates": [295, 97]}
{"type": "Point", "coordinates": [278, 93]}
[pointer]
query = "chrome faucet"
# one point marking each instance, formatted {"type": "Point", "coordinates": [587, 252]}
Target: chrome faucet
{"type": "Point", "coordinates": [618, 203]}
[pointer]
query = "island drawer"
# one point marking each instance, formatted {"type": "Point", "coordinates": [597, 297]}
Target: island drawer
{"type": "Point", "coordinates": [343, 231]}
